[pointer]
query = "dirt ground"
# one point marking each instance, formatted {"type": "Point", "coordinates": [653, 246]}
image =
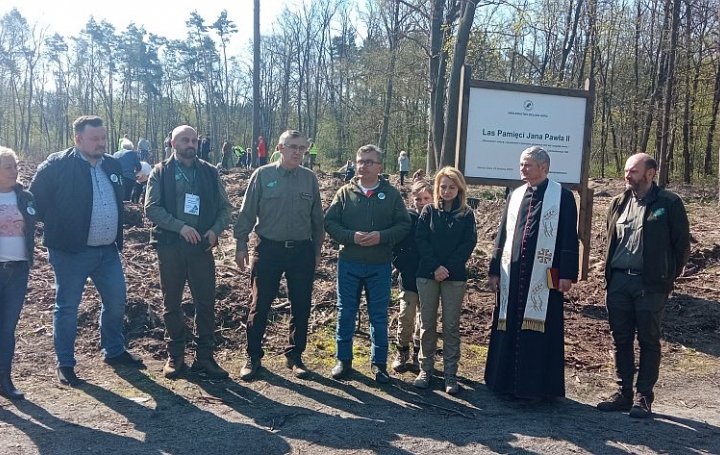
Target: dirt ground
{"type": "Point", "coordinates": [127, 411]}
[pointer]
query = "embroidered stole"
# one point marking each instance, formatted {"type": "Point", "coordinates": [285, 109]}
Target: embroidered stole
{"type": "Point", "coordinates": [537, 299]}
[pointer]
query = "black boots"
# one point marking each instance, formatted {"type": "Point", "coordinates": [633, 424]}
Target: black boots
{"type": "Point", "coordinates": [7, 389]}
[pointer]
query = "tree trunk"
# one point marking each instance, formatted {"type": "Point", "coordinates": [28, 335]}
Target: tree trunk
{"type": "Point", "coordinates": [664, 150]}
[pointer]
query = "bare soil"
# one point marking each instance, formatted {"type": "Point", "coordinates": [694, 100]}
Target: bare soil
{"type": "Point", "coordinates": [127, 411]}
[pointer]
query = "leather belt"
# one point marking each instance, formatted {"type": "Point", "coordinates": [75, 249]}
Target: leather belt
{"type": "Point", "coordinates": [631, 272]}
{"type": "Point", "coordinates": [284, 243]}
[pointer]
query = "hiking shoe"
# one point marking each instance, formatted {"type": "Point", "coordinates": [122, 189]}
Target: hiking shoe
{"type": "Point", "coordinates": [299, 370]}
{"type": "Point", "coordinates": [642, 407]}
{"type": "Point", "coordinates": [451, 385]}
{"type": "Point", "coordinates": [126, 358]}
{"type": "Point", "coordinates": [422, 381]}
{"type": "Point", "coordinates": [380, 372]}
{"type": "Point", "coordinates": [209, 367]}
{"type": "Point", "coordinates": [403, 355]}
{"type": "Point", "coordinates": [174, 367]}
{"type": "Point", "coordinates": [341, 369]}
{"type": "Point", "coordinates": [616, 403]}
{"type": "Point", "coordinates": [249, 371]}
{"type": "Point", "coordinates": [67, 376]}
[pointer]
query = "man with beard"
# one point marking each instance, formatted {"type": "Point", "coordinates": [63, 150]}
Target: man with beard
{"type": "Point", "coordinates": [78, 196]}
{"type": "Point", "coordinates": [648, 245]}
{"type": "Point", "coordinates": [189, 208]}
{"type": "Point", "coordinates": [538, 234]}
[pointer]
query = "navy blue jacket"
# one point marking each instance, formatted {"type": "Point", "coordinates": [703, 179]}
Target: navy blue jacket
{"type": "Point", "coordinates": [63, 192]}
{"type": "Point", "coordinates": [406, 257]}
{"type": "Point", "coordinates": [130, 162]}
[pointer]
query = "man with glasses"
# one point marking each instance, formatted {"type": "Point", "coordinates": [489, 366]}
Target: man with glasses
{"type": "Point", "coordinates": [282, 204]}
{"type": "Point", "coordinates": [366, 217]}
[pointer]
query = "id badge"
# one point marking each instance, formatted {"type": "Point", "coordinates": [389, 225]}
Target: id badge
{"type": "Point", "coordinates": [192, 204]}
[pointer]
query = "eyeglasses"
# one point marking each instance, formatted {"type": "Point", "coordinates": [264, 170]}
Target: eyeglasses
{"type": "Point", "coordinates": [367, 162]}
{"type": "Point", "coordinates": [295, 147]}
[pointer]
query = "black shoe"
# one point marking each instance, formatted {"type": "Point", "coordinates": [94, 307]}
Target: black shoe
{"type": "Point", "coordinates": [250, 370]}
{"type": "Point", "coordinates": [210, 368]}
{"type": "Point", "coordinates": [299, 370]}
{"type": "Point", "coordinates": [381, 374]}
{"type": "Point", "coordinates": [126, 358]}
{"type": "Point", "coordinates": [642, 407]}
{"type": "Point", "coordinates": [67, 376]}
{"type": "Point", "coordinates": [341, 369]}
{"type": "Point", "coordinates": [616, 403]}
{"type": "Point", "coordinates": [8, 390]}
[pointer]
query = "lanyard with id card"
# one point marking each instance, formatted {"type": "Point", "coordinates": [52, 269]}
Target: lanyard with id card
{"type": "Point", "coordinates": [192, 204]}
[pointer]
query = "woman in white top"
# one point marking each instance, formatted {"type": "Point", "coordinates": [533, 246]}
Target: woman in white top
{"type": "Point", "coordinates": [17, 241]}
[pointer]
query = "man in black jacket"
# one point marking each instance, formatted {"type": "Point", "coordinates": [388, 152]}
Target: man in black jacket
{"type": "Point", "coordinates": [78, 194]}
{"type": "Point", "coordinates": [648, 245]}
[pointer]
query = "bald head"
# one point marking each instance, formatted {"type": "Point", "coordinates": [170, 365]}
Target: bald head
{"type": "Point", "coordinates": [640, 171]}
{"type": "Point", "coordinates": [184, 141]}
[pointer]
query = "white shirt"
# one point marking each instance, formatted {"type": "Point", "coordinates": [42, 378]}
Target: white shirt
{"type": "Point", "coordinates": [12, 229]}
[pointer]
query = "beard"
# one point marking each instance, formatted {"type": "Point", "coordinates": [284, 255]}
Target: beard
{"type": "Point", "coordinates": [188, 153]}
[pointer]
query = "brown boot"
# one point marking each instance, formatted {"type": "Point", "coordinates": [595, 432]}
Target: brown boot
{"type": "Point", "coordinates": [209, 367]}
{"type": "Point", "coordinates": [174, 367]}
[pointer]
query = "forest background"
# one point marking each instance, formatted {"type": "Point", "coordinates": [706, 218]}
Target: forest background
{"type": "Point", "coordinates": [350, 72]}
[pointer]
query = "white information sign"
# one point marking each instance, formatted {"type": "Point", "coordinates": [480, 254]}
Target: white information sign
{"type": "Point", "coordinates": [502, 123]}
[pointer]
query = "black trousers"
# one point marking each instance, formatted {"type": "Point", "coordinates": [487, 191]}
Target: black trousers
{"type": "Point", "coordinates": [270, 262]}
{"type": "Point", "coordinates": [128, 185]}
{"type": "Point", "coordinates": [181, 262]}
{"type": "Point", "coordinates": [631, 310]}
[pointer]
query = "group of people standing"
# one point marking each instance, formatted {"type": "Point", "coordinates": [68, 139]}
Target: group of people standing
{"type": "Point", "coordinates": [78, 195]}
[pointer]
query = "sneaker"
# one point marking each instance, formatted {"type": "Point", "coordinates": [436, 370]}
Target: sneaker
{"type": "Point", "coordinates": [299, 370]}
{"type": "Point", "coordinates": [642, 407]}
{"type": "Point", "coordinates": [341, 369]}
{"type": "Point", "coordinates": [67, 376]}
{"type": "Point", "coordinates": [403, 355]}
{"type": "Point", "coordinates": [616, 403]}
{"type": "Point", "coordinates": [126, 358]}
{"type": "Point", "coordinates": [249, 371]}
{"type": "Point", "coordinates": [451, 385]}
{"type": "Point", "coordinates": [423, 380]}
{"type": "Point", "coordinates": [209, 367]}
{"type": "Point", "coordinates": [380, 372]}
{"type": "Point", "coordinates": [174, 367]}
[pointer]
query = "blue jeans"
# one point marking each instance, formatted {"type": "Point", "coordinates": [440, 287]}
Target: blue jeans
{"type": "Point", "coordinates": [352, 277]}
{"type": "Point", "coordinates": [13, 287]}
{"type": "Point", "coordinates": [102, 264]}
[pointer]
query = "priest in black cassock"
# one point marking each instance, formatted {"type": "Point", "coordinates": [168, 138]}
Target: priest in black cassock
{"type": "Point", "coordinates": [535, 261]}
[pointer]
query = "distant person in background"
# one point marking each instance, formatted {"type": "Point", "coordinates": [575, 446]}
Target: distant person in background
{"type": "Point", "coordinates": [248, 157]}
{"type": "Point", "coordinates": [141, 179]}
{"type": "Point", "coordinates": [227, 155]}
{"type": "Point", "coordinates": [312, 153]}
{"type": "Point", "coordinates": [78, 196]}
{"type": "Point", "coordinates": [419, 175]}
{"type": "Point", "coordinates": [17, 242]}
{"type": "Point", "coordinates": [349, 170]}
{"type": "Point", "coordinates": [240, 156]}
{"type": "Point", "coordinates": [261, 152]}
{"type": "Point", "coordinates": [124, 138]}
{"type": "Point", "coordinates": [406, 259]}
{"type": "Point", "coordinates": [130, 162]}
{"type": "Point", "coordinates": [204, 149]}
{"type": "Point", "coordinates": [189, 208]}
{"type": "Point", "coordinates": [143, 147]}
{"type": "Point", "coordinates": [403, 166]}
{"type": "Point", "coordinates": [167, 144]}
{"type": "Point", "coordinates": [275, 157]}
